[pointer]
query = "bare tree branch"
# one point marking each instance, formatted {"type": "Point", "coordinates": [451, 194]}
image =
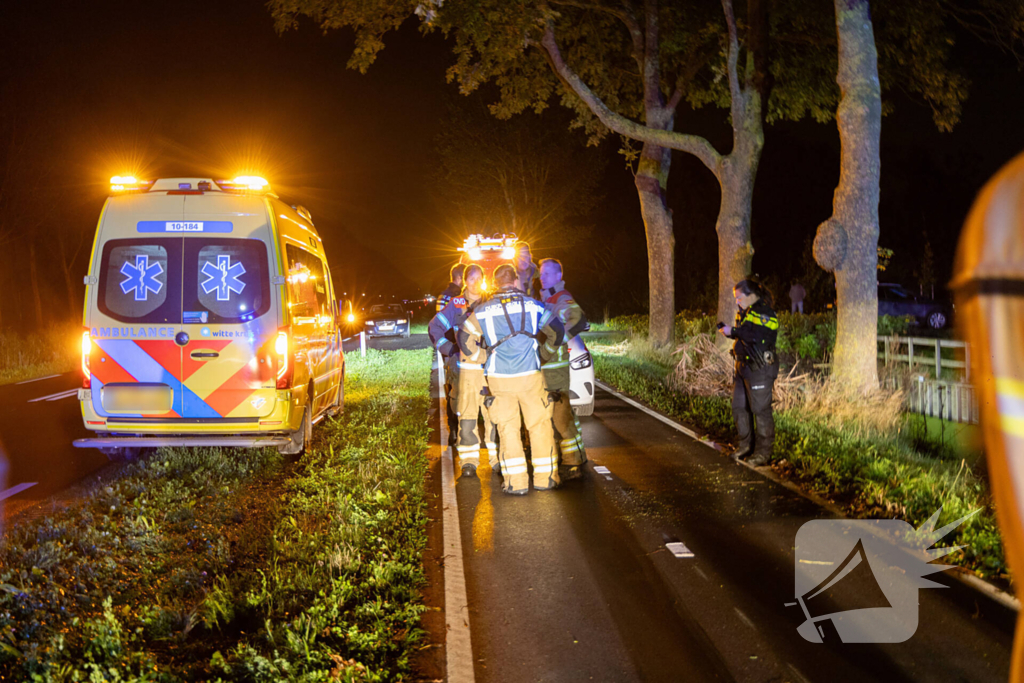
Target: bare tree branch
{"type": "Point", "coordinates": [691, 144]}
{"type": "Point", "coordinates": [735, 91]}
{"type": "Point", "coordinates": [626, 15]}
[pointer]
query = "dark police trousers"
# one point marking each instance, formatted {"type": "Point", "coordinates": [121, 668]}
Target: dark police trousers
{"type": "Point", "coordinates": [752, 402]}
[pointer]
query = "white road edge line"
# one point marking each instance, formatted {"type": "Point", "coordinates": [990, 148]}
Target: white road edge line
{"type": "Point", "coordinates": [744, 619]}
{"type": "Point", "coordinates": [14, 490]}
{"type": "Point", "coordinates": [657, 416]}
{"type": "Point", "coordinates": [1005, 599]}
{"type": "Point", "coordinates": [36, 379]}
{"type": "Point", "coordinates": [796, 672]}
{"type": "Point", "coordinates": [55, 397]}
{"type": "Point", "coordinates": [458, 645]}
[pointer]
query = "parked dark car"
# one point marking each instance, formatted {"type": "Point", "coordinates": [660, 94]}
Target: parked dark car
{"type": "Point", "coordinates": [894, 299]}
{"type": "Point", "coordinates": [387, 320]}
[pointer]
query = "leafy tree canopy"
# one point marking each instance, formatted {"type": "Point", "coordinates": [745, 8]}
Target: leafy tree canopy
{"type": "Point", "coordinates": [497, 41]}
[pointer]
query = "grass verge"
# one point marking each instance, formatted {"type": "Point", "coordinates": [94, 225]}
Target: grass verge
{"type": "Point", "coordinates": [877, 476]}
{"type": "Point", "coordinates": [55, 351]}
{"type": "Point", "coordinates": [236, 565]}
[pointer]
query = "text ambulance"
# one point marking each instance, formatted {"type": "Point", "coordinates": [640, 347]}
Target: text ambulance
{"type": "Point", "coordinates": [210, 319]}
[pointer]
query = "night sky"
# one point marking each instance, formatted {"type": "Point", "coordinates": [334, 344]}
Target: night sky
{"type": "Point", "coordinates": [190, 88]}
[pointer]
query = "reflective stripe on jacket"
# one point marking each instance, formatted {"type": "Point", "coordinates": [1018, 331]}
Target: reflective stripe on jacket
{"type": "Point", "coordinates": [451, 290]}
{"type": "Point", "coordinates": [756, 331]}
{"type": "Point", "coordinates": [560, 302]}
{"type": "Point", "coordinates": [489, 324]}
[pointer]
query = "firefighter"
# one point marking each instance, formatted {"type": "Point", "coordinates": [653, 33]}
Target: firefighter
{"type": "Point", "coordinates": [560, 302]}
{"type": "Point", "coordinates": [510, 327]}
{"type": "Point", "coordinates": [467, 376]}
{"type": "Point", "coordinates": [436, 330]}
{"type": "Point", "coordinates": [757, 367]}
{"type": "Point", "coordinates": [454, 287]}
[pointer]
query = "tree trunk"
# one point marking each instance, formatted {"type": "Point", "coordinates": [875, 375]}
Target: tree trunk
{"type": "Point", "coordinates": [34, 276]}
{"type": "Point", "coordinates": [847, 244]}
{"type": "Point", "coordinates": [651, 179]}
{"type": "Point", "coordinates": [735, 250]}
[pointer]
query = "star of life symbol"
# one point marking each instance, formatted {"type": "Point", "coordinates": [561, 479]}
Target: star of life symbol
{"type": "Point", "coordinates": [857, 580]}
{"type": "Point", "coordinates": [223, 277]}
{"type": "Point", "coordinates": [141, 277]}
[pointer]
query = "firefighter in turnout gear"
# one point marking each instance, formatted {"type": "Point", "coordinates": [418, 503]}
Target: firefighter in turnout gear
{"type": "Point", "coordinates": [466, 375]}
{"type": "Point", "coordinates": [436, 329]}
{"type": "Point", "coordinates": [454, 287]}
{"type": "Point", "coordinates": [757, 367]}
{"type": "Point", "coordinates": [560, 302]}
{"type": "Point", "coordinates": [511, 327]}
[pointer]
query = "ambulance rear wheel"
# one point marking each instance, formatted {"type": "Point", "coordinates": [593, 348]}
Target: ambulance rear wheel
{"type": "Point", "coordinates": [127, 454]}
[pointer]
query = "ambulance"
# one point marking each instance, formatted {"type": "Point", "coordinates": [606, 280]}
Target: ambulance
{"type": "Point", "coordinates": [210, 320]}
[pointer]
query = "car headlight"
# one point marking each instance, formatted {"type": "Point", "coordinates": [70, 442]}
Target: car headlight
{"type": "Point", "coordinates": [583, 361]}
{"type": "Point", "coordinates": [402, 322]}
{"type": "Point", "coordinates": [370, 323]}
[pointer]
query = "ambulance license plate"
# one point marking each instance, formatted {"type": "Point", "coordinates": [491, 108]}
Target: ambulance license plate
{"type": "Point", "coordinates": [137, 398]}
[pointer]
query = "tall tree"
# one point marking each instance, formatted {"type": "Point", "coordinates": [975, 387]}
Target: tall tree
{"type": "Point", "coordinates": [847, 243]}
{"type": "Point", "coordinates": [614, 61]}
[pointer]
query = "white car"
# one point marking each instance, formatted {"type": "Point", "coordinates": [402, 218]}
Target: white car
{"type": "Point", "coordinates": [581, 377]}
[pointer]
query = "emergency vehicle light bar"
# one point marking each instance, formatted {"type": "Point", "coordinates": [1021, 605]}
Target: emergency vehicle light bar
{"type": "Point", "coordinates": [475, 245]}
{"type": "Point", "coordinates": [124, 184]}
{"type": "Point", "coordinates": [245, 183]}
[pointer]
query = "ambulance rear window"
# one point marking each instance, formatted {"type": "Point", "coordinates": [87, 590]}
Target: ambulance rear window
{"type": "Point", "coordinates": [140, 280]}
{"type": "Point", "coordinates": [226, 278]}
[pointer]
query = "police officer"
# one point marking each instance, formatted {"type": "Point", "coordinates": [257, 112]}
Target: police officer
{"type": "Point", "coordinates": [757, 367]}
{"type": "Point", "coordinates": [466, 375]}
{"type": "Point", "coordinates": [510, 327]}
{"type": "Point", "coordinates": [454, 287]}
{"type": "Point", "coordinates": [561, 303]}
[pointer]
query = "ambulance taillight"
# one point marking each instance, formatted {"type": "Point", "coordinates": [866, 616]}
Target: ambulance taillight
{"type": "Point", "coordinates": [285, 366]}
{"type": "Point", "coordinates": [86, 352]}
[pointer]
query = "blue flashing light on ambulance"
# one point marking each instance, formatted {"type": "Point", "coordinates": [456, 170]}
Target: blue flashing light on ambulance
{"type": "Point", "coordinates": [210, 319]}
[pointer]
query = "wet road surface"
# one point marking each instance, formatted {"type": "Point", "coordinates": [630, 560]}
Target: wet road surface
{"type": "Point", "coordinates": [577, 584]}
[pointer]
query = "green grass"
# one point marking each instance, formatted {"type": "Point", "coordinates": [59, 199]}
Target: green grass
{"type": "Point", "coordinates": [900, 475]}
{"type": "Point", "coordinates": [236, 565]}
{"type": "Point", "coordinates": [57, 350]}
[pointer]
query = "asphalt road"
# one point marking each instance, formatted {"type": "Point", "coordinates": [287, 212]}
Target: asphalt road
{"type": "Point", "coordinates": [577, 584]}
{"type": "Point", "coordinates": [38, 421]}
{"type": "Point", "coordinates": [40, 418]}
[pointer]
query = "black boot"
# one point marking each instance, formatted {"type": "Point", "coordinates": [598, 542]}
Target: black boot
{"type": "Point", "coordinates": [758, 459]}
{"type": "Point", "coordinates": [742, 451]}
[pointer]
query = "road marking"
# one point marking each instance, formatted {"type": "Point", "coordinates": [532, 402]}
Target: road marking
{"type": "Point", "coordinates": [796, 672]}
{"type": "Point", "coordinates": [657, 416]}
{"type": "Point", "coordinates": [37, 379]}
{"type": "Point", "coordinates": [744, 619]}
{"type": "Point", "coordinates": [458, 645]}
{"type": "Point", "coordinates": [702, 574]}
{"type": "Point", "coordinates": [15, 490]}
{"type": "Point", "coordinates": [679, 549]}
{"type": "Point", "coordinates": [56, 397]}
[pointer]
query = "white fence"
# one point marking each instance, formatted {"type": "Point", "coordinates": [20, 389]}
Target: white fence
{"type": "Point", "coordinates": [924, 351]}
{"type": "Point", "coordinates": [946, 399]}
